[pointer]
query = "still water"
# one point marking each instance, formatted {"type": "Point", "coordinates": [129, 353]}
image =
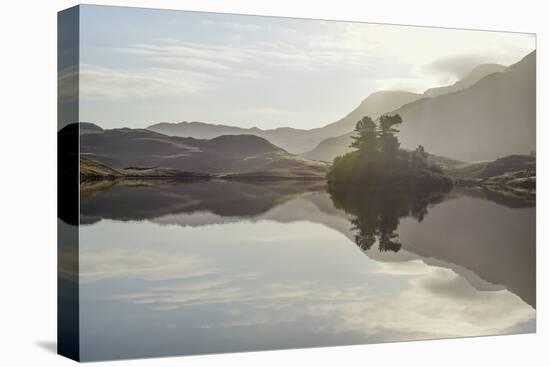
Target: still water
{"type": "Point", "coordinates": [212, 267]}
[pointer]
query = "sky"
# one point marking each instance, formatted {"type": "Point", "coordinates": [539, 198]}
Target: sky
{"type": "Point", "coordinates": [143, 66]}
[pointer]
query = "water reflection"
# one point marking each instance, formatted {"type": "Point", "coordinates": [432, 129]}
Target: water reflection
{"type": "Point", "coordinates": [189, 268]}
{"type": "Point", "coordinates": [377, 212]}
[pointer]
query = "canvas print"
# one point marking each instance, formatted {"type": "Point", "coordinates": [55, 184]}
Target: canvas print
{"type": "Point", "coordinates": [233, 183]}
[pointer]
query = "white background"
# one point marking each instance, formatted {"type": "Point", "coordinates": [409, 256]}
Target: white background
{"type": "Point", "coordinates": [28, 182]}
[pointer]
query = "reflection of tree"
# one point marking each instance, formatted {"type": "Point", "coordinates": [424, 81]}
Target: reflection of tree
{"type": "Point", "coordinates": [377, 212]}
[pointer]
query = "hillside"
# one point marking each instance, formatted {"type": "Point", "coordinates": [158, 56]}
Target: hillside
{"type": "Point", "coordinates": [91, 169]}
{"type": "Point", "coordinates": [228, 154]}
{"type": "Point", "coordinates": [491, 118]}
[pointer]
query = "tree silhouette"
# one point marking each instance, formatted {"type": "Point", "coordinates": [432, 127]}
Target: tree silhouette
{"type": "Point", "coordinates": [389, 144]}
{"type": "Point", "coordinates": [366, 138]}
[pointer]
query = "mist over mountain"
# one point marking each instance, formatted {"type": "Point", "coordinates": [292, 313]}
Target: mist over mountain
{"type": "Point", "coordinates": [479, 72]}
{"type": "Point", "coordinates": [491, 118]}
{"type": "Point", "coordinates": [332, 140]}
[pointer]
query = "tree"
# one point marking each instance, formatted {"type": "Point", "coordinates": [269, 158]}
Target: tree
{"type": "Point", "coordinates": [377, 160]}
{"type": "Point", "coordinates": [366, 138]}
{"type": "Point", "coordinates": [389, 144]}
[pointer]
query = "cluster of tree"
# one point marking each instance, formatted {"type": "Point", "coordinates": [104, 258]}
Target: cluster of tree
{"type": "Point", "coordinates": [378, 159]}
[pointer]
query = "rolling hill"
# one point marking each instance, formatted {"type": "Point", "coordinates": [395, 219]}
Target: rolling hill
{"type": "Point", "coordinates": [133, 150]}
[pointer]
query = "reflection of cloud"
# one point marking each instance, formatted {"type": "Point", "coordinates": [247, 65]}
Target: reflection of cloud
{"type": "Point", "coordinates": [330, 284]}
{"type": "Point", "coordinates": [147, 264]}
{"type": "Point", "coordinates": [434, 303]}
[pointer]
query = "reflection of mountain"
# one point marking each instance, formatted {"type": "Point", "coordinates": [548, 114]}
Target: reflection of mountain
{"type": "Point", "coordinates": [486, 242]}
{"type": "Point", "coordinates": [491, 118]}
{"type": "Point", "coordinates": [495, 242]}
{"type": "Point", "coordinates": [464, 233]}
{"type": "Point", "coordinates": [121, 148]}
{"type": "Point", "coordinates": [222, 198]}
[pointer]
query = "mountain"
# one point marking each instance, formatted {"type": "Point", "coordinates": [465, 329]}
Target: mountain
{"type": "Point", "coordinates": [330, 148]}
{"type": "Point", "coordinates": [294, 140]}
{"type": "Point", "coordinates": [492, 118]}
{"type": "Point", "coordinates": [135, 150]}
{"type": "Point", "coordinates": [479, 72]}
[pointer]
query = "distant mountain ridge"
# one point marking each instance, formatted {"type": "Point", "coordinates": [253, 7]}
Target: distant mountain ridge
{"type": "Point", "coordinates": [294, 140]}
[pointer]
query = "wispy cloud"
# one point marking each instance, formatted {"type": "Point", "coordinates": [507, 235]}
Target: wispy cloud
{"type": "Point", "coordinates": [245, 57]}
{"type": "Point", "coordinates": [98, 82]}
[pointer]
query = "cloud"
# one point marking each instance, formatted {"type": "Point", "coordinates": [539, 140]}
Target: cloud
{"type": "Point", "coordinates": [241, 26]}
{"type": "Point", "coordinates": [460, 65]}
{"type": "Point", "coordinates": [428, 56]}
{"type": "Point", "coordinates": [234, 26]}
{"type": "Point", "coordinates": [411, 84]}
{"type": "Point", "coordinates": [238, 59]}
{"type": "Point", "coordinates": [99, 82]}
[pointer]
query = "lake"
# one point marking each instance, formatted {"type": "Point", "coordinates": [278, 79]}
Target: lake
{"type": "Point", "coordinates": [171, 268]}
